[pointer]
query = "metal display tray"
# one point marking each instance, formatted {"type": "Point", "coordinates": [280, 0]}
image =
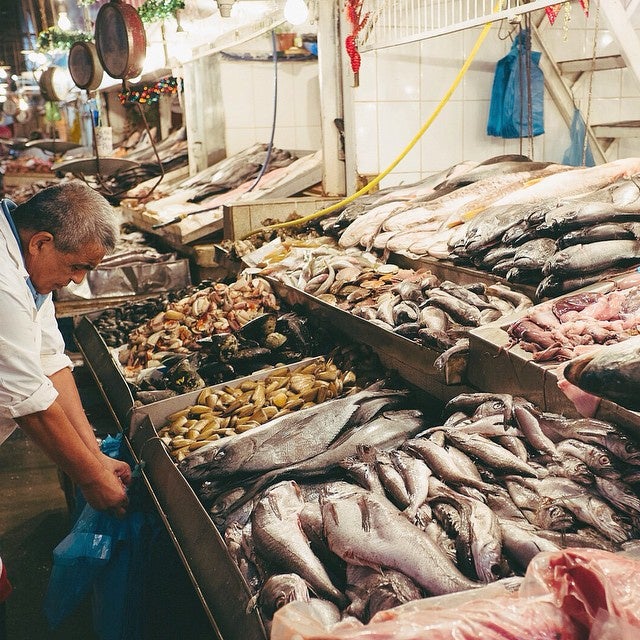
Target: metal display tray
{"type": "Point", "coordinates": [446, 270]}
{"type": "Point", "coordinates": [495, 366]}
{"type": "Point", "coordinates": [220, 586]}
{"type": "Point", "coordinates": [129, 280]}
{"type": "Point", "coordinates": [412, 361]}
{"type": "Point", "coordinates": [113, 387]}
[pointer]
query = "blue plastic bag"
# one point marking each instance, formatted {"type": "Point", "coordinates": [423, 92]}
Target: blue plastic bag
{"type": "Point", "coordinates": [78, 560]}
{"type": "Point", "coordinates": [103, 556]}
{"type": "Point", "coordinates": [512, 93]}
{"type": "Point", "coordinates": [574, 154]}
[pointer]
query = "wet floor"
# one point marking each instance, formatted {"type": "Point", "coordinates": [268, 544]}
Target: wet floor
{"type": "Point", "coordinates": [34, 518]}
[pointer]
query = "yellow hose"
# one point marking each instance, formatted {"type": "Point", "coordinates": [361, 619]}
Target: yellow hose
{"type": "Point", "coordinates": [403, 153]}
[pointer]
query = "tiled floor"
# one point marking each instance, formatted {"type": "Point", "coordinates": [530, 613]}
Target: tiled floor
{"type": "Point", "coordinates": [34, 518]}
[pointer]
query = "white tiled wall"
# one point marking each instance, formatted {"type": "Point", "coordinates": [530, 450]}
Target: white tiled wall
{"type": "Point", "coordinates": [400, 87]}
{"type": "Point", "coordinates": [247, 88]}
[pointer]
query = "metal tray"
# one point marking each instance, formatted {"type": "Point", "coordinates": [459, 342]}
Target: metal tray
{"type": "Point", "coordinates": [218, 581]}
{"type": "Point", "coordinates": [110, 381]}
{"type": "Point", "coordinates": [413, 362]}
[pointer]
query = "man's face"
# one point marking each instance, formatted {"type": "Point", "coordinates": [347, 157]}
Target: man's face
{"type": "Point", "coordinates": [51, 269]}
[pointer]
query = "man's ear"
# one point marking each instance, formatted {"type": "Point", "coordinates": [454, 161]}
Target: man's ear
{"type": "Point", "coordinates": [38, 240]}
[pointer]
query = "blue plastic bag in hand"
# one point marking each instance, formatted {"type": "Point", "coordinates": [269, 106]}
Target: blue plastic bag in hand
{"type": "Point", "coordinates": [78, 560]}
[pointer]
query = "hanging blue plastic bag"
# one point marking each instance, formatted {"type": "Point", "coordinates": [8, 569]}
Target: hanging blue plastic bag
{"type": "Point", "coordinates": [574, 154]}
{"type": "Point", "coordinates": [516, 109]}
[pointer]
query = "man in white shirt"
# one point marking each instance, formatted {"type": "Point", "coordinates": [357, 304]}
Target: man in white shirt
{"type": "Point", "coordinates": [45, 243]}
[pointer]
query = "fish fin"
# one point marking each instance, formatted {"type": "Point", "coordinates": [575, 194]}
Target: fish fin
{"type": "Point", "coordinates": [364, 512]}
{"type": "Point", "coordinates": [469, 215]}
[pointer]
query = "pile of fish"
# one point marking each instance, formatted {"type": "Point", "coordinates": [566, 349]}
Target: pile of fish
{"type": "Point", "coordinates": [561, 244]}
{"type": "Point", "coordinates": [236, 408]}
{"type": "Point", "coordinates": [562, 329]}
{"type": "Point", "coordinates": [234, 170]}
{"type": "Point", "coordinates": [326, 494]}
{"type": "Point", "coordinates": [220, 308]}
{"type": "Point", "coordinates": [172, 153]}
{"type": "Point", "coordinates": [510, 216]}
{"type": "Point", "coordinates": [412, 303]}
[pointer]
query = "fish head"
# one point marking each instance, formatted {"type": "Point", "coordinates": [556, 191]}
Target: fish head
{"type": "Point", "coordinates": [279, 590]}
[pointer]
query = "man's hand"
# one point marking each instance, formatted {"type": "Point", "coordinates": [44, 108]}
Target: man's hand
{"type": "Point", "coordinates": [120, 468]}
{"type": "Point", "coordinates": [106, 492]}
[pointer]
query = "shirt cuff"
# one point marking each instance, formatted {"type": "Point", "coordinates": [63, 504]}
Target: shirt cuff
{"type": "Point", "coordinates": [40, 400]}
{"type": "Point", "coordinates": [55, 362]}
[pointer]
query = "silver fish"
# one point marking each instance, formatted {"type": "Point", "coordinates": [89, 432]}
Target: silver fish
{"type": "Point", "coordinates": [392, 480]}
{"type": "Point", "coordinates": [596, 458]}
{"type": "Point", "coordinates": [590, 258]}
{"type": "Point", "coordinates": [585, 506]}
{"type": "Point", "coordinates": [362, 530]}
{"type": "Point", "coordinates": [279, 538]}
{"type": "Point", "coordinates": [522, 542]}
{"type": "Point", "coordinates": [619, 494]}
{"type": "Point", "coordinates": [415, 474]}
{"type": "Point", "coordinates": [441, 463]}
{"type": "Point", "coordinates": [285, 440]}
{"type": "Point", "coordinates": [490, 453]}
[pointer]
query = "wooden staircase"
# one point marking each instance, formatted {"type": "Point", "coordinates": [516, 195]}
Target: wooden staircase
{"type": "Point", "coordinates": [564, 80]}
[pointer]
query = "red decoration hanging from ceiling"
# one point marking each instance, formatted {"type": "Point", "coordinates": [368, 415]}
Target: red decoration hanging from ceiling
{"type": "Point", "coordinates": [353, 10]}
{"type": "Point", "coordinates": [553, 10]}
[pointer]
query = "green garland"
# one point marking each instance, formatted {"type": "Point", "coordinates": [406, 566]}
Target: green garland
{"type": "Point", "coordinates": [55, 39]}
{"type": "Point", "coordinates": [154, 10]}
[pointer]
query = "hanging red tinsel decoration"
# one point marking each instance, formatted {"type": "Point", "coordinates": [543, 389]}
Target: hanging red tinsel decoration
{"type": "Point", "coordinates": [353, 10]}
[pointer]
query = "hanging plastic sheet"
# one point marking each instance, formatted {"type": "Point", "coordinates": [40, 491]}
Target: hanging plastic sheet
{"type": "Point", "coordinates": [575, 154]}
{"type": "Point", "coordinates": [516, 109]}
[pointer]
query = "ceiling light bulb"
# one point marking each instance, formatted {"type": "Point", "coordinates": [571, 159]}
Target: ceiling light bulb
{"type": "Point", "coordinates": [23, 105]}
{"type": "Point", "coordinates": [296, 11]}
{"type": "Point", "coordinates": [3, 73]}
{"type": "Point", "coordinates": [63, 21]}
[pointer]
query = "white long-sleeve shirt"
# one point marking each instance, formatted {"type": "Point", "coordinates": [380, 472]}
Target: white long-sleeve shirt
{"type": "Point", "coordinates": [31, 345]}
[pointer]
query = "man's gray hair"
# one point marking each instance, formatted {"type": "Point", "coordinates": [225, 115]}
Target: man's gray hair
{"type": "Point", "coordinates": [73, 213]}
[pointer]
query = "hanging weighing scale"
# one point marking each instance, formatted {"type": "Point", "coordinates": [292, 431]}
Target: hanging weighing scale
{"type": "Point", "coordinates": [86, 71]}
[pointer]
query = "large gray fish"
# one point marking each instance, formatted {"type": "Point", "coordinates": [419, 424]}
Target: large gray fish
{"type": "Point", "coordinates": [279, 538]}
{"type": "Point", "coordinates": [591, 258]}
{"type": "Point", "coordinates": [387, 431]}
{"type": "Point", "coordinates": [599, 232]}
{"type": "Point", "coordinates": [612, 372]}
{"type": "Point", "coordinates": [285, 440]}
{"type": "Point", "coordinates": [534, 254]}
{"type": "Point", "coordinates": [490, 453]}
{"type": "Point", "coordinates": [364, 531]}
{"type": "Point", "coordinates": [442, 463]}
{"type": "Point", "coordinates": [587, 507]}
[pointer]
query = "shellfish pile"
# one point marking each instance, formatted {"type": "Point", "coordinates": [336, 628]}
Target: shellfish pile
{"type": "Point", "coordinates": [220, 308]}
{"type": "Point", "coordinates": [221, 412]}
